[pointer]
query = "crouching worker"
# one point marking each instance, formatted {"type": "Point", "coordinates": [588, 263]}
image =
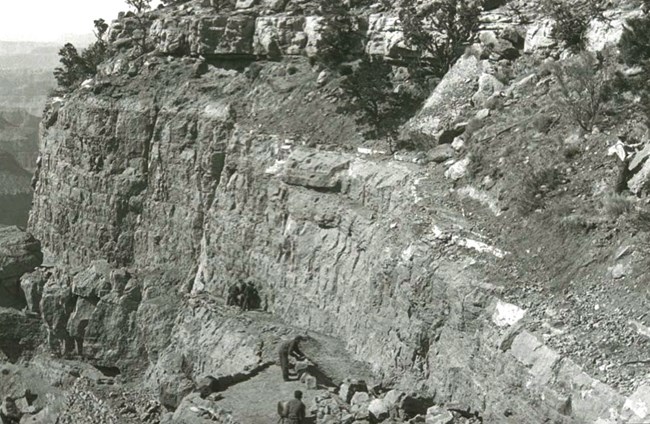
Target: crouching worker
{"type": "Point", "coordinates": [293, 411]}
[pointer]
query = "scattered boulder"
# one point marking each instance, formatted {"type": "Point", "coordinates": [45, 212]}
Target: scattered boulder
{"type": "Point", "coordinates": [379, 409]}
{"type": "Point", "coordinates": [539, 36]}
{"type": "Point", "coordinates": [309, 380]}
{"type": "Point", "coordinates": [451, 97]}
{"type": "Point", "coordinates": [323, 77]}
{"type": "Point", "coordinates": [20, 253]}
{"type": "Point", "coordinates": [32, 285]}
{"type": "Point", "coordinates": [483, 113]}
{"type": "Point", "coordinates": [394, 397]}
{"type": "Point", "coordinates": [458, 143]}
{"type": "Point", "coordinates": [488, 85]}
{"type": "Point", "coordinates": [348, 389]}
{"type": "Point", "coordinates": [195, 410]}
{"type": "Point", "coordinates": [436, 415]}
{"type": "Point", "coordinates": [441, 153]}
{"type": "Point", "coordinates": [385, 36]}
{"type": "Point", "coordinates": [458, 170]}
{"type": "Point", "coordinates": [206, 386]}
{"type": "Point", "coordinates": [637, 406]}
{"type": "Point", "coordinates": [360, 398]}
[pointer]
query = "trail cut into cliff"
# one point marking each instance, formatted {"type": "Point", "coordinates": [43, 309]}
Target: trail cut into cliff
{"type": "Point", "coordinates": [470, 255]}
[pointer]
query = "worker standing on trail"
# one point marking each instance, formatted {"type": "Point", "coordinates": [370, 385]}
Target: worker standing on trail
{"type": "Point", "coordinates": [290, 348]}
{"type": "Point", "coordinates": [296, 409]}
{"type": "Point", "coordinates": [233, 295]}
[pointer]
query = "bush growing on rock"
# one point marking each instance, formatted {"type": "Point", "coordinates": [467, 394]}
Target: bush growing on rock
{"type": "Point", "coordinates": [635, 41]}
{"type": "Point", "coordinates": [142, 23]}
{"type": "Point", "coordinates": [139, 5]}
{"type": "Point", "coordinates": [584, 85]}
{"type": "Point", "coordinates": [78, 67]}
{"type": "Point", "coordinates": [634, 46]}
{"type": "Point", "coordinates": [378, 103]}
{"type": "Point", "coordinates": [529, 195]}
{"type": "Point", "coordinates": [439, 32]}
{"type": "Point", "coordinates": [341, 41]}
{"type": "Point", "coordinates": [616, 204]}
{"type": "Point", "coordinates": [572, 20]}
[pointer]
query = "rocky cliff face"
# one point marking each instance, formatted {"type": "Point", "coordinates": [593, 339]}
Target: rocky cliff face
{"type": "Point", "coordinates": [170, 177]}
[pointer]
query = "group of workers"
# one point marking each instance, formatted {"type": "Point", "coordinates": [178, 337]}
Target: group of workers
{"type": "Point", "coordinates": [244, 295]}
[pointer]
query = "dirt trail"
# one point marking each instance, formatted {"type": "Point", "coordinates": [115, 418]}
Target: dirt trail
{"type": "Point", "coordinates": [255, 401]}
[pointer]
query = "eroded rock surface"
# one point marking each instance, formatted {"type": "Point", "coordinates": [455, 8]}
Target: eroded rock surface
{"type": "Point", "coordinates": [169, 178]}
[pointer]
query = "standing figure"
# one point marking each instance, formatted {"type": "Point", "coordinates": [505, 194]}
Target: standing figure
{"type": "Point", "coordinates": [233, 295]}
{"type": "Point", "coordinates": [241, 298]}
{"type": "Point", "coordinates": [252, 297]}
{"type": "Point", "coordinates": [290, 348]}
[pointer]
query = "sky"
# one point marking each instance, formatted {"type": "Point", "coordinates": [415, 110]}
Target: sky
{"type": "Point", "coordinates": [52, 20]}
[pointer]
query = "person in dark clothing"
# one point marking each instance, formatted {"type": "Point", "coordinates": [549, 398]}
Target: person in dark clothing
{"type": "Point", "coordinates": [290, 348]}
{"type": "Point", "coordinates": [233, 295]}
{"type": "Point", "coordinates": [252, 297]}
{"type": "Point", "coordinates": [242, 299]}
{"type": "Point", "coordinates": [296, 409]}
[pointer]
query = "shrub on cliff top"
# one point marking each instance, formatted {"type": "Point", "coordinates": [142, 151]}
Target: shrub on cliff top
{"type": "Point", "coordinates": [139, 5]}
{"type": "Point", "coordinates": [341, 41]}
{"type": "Point", "coordinates": [78, 67]}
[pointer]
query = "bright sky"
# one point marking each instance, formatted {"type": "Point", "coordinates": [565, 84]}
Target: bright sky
{"type": "Point", "coordinates": [49, 20]}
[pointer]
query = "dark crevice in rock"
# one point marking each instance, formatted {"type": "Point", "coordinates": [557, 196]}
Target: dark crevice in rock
{"type": "Point", "coordinates": [217, 163]}
{"type": "Point", "coordinates": [219, 384]}
{"type": "Point", "coordinates": [414, 405]}
{"type": "Point", "coordinates": [11, 349]}
{"type": "Point", "coordinates": [449, 135]}
{"type": "Point", "coordinates": [108, 371]}
{"type": "Point", "coordinates": [335, 189]}
{"type": "Point", "coordinates": [232, 61]}
{"type": "Point", "coordinates": [11, 296]}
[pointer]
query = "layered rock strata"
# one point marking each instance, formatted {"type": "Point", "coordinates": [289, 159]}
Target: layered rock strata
{"type": "Point", "coordinates": [166, 174]}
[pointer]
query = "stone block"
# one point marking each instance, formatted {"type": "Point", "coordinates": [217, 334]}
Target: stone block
{"type": "Point", "coordinates": [637, 407]}
{"type": "Point", "coordinates": [378, 409]}
{"type": "Point", "coordinates": [437, 415]}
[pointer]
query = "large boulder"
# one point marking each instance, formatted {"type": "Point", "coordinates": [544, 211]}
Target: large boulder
{"type": "Point", "coordinates": [604, 32]}
{"type": "Point", "coordinates": [379, 409]}
{"type": "Point", "coordinates": [445, 106]}
{"type": "Point", "coordinates": [279, 35]}
{"type": "Point", "coordinates": [195, 410]}
{"type": "Point", "coordinates": [20, 253]}
{"type": "Point", "coordinates": [385, 36]}
{"type": "Point", "coordinates": [18, 333]}
{"type": "Point", "coordinates": [539, 37]}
